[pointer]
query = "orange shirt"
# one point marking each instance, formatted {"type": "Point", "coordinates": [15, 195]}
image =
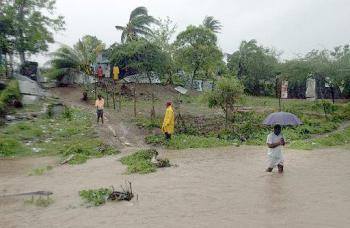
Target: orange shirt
{"type": "Point", "coordinates": [100, 104]}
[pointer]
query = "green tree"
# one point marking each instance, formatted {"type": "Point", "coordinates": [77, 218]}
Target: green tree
{"type": "Point", "coordinates": [138, 25]}
{"type": "Point", "coordinates": [226, 93]}
{"type": "Point", "coordinates": [255, 66]}
{"type": "Point", "coordinates": [140, 56]}
{"type": "Point", "coordinates": [210, 23]}
{"type": "Point", "coordinates": [161, 37]}
{"type": "Point", "coordinates": [33, 25]}
{"type": "Point", "coordinates": [78, 58]}
{"type": "Point", "coordinates": [197, 53]}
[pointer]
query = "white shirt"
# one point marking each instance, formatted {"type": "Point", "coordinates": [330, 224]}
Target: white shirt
{"type": "Point", "coordinates": [271, 139]}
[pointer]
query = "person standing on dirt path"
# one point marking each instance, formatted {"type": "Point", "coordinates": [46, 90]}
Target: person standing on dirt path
{"type": "Point", "coordinates": [275, 141]}
{"type": "Point", "coordinates": [99, 104]}
{"type": "Point", "coordinates": [169, 122]}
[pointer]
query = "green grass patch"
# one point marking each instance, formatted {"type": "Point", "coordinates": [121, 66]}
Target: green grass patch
{"type": "Point", "coordinates": [11, 147]}
{"type": "Point", "coordinates": [40, 171]}
{"type": "Point", "coordinates": [140, 162]}
{"type": "Point", "coordinates": [148, 123]}
{"type": "Point", "coordinates": [183, 141]}
{"type": "Point", "coordinates": [333, 139]}
{"type": "Point", "coordinates": [95, 197]}
{"type": "Point", "coordinates": [81, 152]}
{"type": "Point", "coordinates": [40, 202]}
{"type": "Point", "coordinates": [23, 131]}
{"type": "Point", "coordinates": [71, 133]}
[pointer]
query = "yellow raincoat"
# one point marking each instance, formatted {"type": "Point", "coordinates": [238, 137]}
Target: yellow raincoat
{"type": "Point", "coordinates": [168, 123]}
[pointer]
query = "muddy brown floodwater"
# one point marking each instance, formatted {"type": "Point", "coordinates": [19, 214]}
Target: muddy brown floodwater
{"type": "Point", "coordinates": [221, 187]}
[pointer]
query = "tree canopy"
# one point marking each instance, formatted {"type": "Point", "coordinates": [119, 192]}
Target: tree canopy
{"type": "Point", "coordinates": [32, 24]}
{"type": "Point", "coordinates": [197, 53]}
{"type": "Point", "coordinates": [255, 66]}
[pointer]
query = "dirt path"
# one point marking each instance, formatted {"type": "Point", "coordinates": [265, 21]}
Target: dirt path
{"type": "Point", "coordinates": [115, 132]}
{"type": "Point", "coordinates": [222, 187]}
{"type": "Point", "coordinates": [342, 126]}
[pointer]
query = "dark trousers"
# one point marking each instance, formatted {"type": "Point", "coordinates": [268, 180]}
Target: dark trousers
{"type": "Point", "coordinates": [99, 114]}
{"type": "Point", "coordinates": [167, 136]}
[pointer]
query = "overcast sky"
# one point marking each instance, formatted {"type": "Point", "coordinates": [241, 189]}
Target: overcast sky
{"type": "Point", "coordinates": [292, 26]}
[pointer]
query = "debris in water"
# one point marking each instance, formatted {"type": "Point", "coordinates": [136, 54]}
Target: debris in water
{"type": "Point", "coordinates": [125, 194]}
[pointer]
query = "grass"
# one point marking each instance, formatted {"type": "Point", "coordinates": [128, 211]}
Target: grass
{"type": "Point", "coordinates": [95, 197]}
{"type": "Point", "coordinates": [70, 133]}
{"type": "Point", "coordinates": [23, 131]}
{"type": "Point", "coordinates": [183, 141]}
{"type": "Point", "coordinates": [11, 147]}
{"type": "Point", "coordinates": [40, 202]}
{"type": "Point", "coordinates": [205, 130]}
{"type": "Point", "coordinates": [140, 162]}
{"type": "Point", "coordinates": [148, 123]}
{"type": "Point", "coordinates": [333, 139]}
{"type": "Point", "coordinates": [8, 94]}
{"type": "Point", "coordinates": [40, 171]}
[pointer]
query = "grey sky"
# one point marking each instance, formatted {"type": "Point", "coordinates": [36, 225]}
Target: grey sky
{"type": "Point", "coordinates": [292, 26]}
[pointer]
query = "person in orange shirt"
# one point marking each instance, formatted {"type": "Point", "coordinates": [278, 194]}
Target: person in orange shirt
{"type": "Point", "coordinates": [99, 104]}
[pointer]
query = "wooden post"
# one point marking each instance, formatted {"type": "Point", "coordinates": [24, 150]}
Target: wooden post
{"type": "Point", "coordinates": [135, 100]}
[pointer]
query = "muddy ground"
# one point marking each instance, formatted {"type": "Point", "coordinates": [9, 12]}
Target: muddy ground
{"type": "Point", "coordinates": [217, 187]}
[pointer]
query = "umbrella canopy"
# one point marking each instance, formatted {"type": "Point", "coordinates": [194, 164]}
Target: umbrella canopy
{"type": "Point", "coordinates": [282, 118]}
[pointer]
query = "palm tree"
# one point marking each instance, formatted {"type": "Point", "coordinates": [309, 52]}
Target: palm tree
{"type": "Point", "coordinates": [78, 58]}
{"type": "Point", "coordinates": [138, 25]}
{"type": "Point", "coordinates": [212, 24]}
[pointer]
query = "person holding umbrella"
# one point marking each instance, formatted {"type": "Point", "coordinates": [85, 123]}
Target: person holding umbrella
{"type": "Point", "coordinates": [275, 140]}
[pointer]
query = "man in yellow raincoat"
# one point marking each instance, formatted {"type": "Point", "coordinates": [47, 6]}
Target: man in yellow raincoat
{"type": "Point", "coordinates": [169, 122]}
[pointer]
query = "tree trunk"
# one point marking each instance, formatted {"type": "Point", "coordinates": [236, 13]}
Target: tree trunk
{"type": "Point", "coordinates": [193, 76]}
{"type": "Point", "coordinates": [20, 49]}
{"type": "Point", "coordinates": [22, 57]}
{"type": "Point", "coordinates": [226, 115]}
{"type": "Point", "coordinates": [153, 112]}
{"type": "Point", "coordinates": [106, 89]}
{"type": "Point", "coordinates": [135, 100]}
{"type": "Point", "coordinates": [11, 65]}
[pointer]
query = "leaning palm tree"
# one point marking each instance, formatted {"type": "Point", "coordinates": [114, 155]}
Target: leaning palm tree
{"type": "Point", "coordinates": [138, 25]}
{"type": "Point", "coordinates": [78, 58]}
{"type": "Point", "coordinates": [212, 24]}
